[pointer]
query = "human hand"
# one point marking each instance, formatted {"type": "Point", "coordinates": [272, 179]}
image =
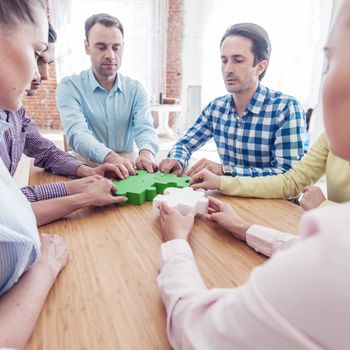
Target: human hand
{"type": "Point", "coordinates": [79, 185]}
{"type": "Point", "coordinates": [173, 224]}
{"type": "Point", "coordinates": [108, 170]}
{"type": "Point", "coordinates": [126, 166]}
{"type": "Point", "coordinates": [100, 193]}
{"type": "Point", "coordinates": [213, 167]}
{"type": "Point", "coordinates": [206, 180]}
{"type": "Point", "coordinates": [223, 214]}
{"type": "Point", "coordinates": [146, 161]}
{"type": "Point", "coordinates": [312, 197]}
{"type": "Point", "coordinates": [170, 166]}
{"type": "Point", "coordinates": [54, 253]}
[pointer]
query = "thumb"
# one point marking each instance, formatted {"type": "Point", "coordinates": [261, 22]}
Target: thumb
{"type": "Point", "coordinates": [118, 199]}
{"type": "Point", "coordinates": [197, 186]}
{"type": "Point", "coordinates": [214, 217]}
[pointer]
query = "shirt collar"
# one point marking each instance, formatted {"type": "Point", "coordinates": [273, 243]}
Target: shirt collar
{"type": "Point", "coordinates": [258, 99]}
{"type": "Point", "coordinates": [3, 114]}
{"type": "Point", "coordinates": [94, 84]}
{"type": "Point", "coordinates": [3, 127]}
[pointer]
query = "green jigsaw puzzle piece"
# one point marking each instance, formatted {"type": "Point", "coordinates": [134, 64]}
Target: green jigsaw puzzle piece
{"type": "Point", "coordinates": [145, 186]}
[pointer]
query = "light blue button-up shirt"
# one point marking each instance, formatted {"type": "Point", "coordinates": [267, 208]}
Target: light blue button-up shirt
{"type": "Point", "coordinates": [19, 237]}
{"type": "Point", "coordinates": [97, 122]}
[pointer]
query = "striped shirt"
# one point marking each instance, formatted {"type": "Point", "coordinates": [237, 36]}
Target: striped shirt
{"type": "Point", "coordinates": [23, 136]}
{"type": "Point", "coordinates": [266, 140]}
{"type": "Point", "coordinates": [19, 237]}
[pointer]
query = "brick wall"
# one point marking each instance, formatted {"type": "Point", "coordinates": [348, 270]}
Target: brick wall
{"type": "Point", "coordinates": [174, 53]}
{"type": "Point", "coordinates": [174, 49]}
{"type": "Point", "coordinates": [42, 106]}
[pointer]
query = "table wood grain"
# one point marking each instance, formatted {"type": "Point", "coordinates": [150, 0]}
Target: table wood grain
{"type": "Point", "coordinates": [107, 296]}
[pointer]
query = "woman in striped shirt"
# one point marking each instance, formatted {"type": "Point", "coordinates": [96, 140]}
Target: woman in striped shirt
{"type": "Point", "coordinates": [29, 263]}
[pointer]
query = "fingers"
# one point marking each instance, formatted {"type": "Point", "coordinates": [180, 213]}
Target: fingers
{"type": "Point", "coordinates": [129, 166]}
{"type": "Point", "coordinates": [201, 164]}
{"type": "Point", "coordinates": [211, 210]}
{"type": "Point", "coordinates": [172, 166]}
{"type": "Point", "coordinates": [118, 199]}
{"type": "Point", "coordinates": [165, 209]}
{"type": "Point", "coordinates": [165, 166]}
{"type": "Point", "coordinates": [154, 167]}
{"type": "Point", "coordinates": [214, 217]}
{"type": "Point", "coordinates": [198, 186]}
{"type": "Point", "coordinates": [123, 171]}
{"type": "Point", "coordinates": [215, 203]}
{"type": "Point", "coordinates": [199, 180]}
{"type": "Point", "coordinates": [147, 165]}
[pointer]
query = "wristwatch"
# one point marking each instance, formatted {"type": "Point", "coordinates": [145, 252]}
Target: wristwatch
{"type": "Point", "coordinates": [227, 169]}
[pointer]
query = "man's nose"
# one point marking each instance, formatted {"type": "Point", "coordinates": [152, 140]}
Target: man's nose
{"type": "Point", "coordinates": [229, 67]}
{"type": "Point", "coordinates": [110, 54]}
{"type": "Point", "coordinates": [37, 76]}
{"type": "Point", "coordinates": [44, 71]}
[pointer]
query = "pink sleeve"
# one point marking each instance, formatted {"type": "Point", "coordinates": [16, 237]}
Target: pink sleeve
{"type": "Point", "coordinates": [266, 240]}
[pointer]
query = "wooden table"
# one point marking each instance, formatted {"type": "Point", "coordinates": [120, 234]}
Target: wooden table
{"type": "Point", "coordinates": [107, 296]}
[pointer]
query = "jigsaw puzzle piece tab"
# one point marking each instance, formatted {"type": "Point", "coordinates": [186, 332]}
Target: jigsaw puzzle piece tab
{"type": "Point", "coordinates": [137, 188]}
{"type": "Point", "coordinates": [185, 200]}
{"type": "Point", "coordinates": [145, 186]}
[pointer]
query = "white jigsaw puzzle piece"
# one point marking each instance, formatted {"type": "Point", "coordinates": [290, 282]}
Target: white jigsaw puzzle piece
{"type": "Point", "coordinates": [185, 200]}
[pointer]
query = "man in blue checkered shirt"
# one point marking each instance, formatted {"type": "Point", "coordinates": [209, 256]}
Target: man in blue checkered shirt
{"type": "Point", "coordinates": [257, 131]}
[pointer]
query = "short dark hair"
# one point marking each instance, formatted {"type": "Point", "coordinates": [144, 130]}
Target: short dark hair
{"type": "Point", "coordinates": [13, 12]}
{"type": "Point", "coordinates": [52, 34]}
{"type": "Point", "coordinates": [104, 19]}
{"type": "Point", "coordinates": [261, 46]}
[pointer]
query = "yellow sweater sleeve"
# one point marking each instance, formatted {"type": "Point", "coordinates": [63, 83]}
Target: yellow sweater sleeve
{"type": "Point", "coordinates": [310, 169]}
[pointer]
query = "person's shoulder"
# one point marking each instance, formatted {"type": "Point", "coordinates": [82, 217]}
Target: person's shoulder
{"type": "Point", "coordinates": [129, 83]}
{"type": "Point", "coordinates": [278, 97]}
{"type": "Point", "coordinates": [80, 78]}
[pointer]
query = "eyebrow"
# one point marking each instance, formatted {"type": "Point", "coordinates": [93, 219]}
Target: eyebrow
{"type": "Point", "coordinates": [102, 43]}
{"type": "Point", "coordinates": [233, 56]}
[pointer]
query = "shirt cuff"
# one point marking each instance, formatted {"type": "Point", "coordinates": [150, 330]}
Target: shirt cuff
{"type": "Point", "coordinates": [183, 162]}
{"type": "Point", "coordinates": [99, 155]}
{"type": "Point", "coordinates": [149, 147]}
{"type": "Point", "coordinates": [266, 240]}
{"type": "Point", "coordinates": [72, 167]}
{"type": "Point", "coordinates": [45, 192]}
{"type": "Point", "coordinates": [174, 248]}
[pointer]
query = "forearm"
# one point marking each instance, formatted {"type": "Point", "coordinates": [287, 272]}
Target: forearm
{"type": "Point", "coordinates": [277, 186]}
{"type": "Point", "coordinates": [199, 318]}
{"type": "Point", "coordinates": [54, 209]}
{"type": "Point", "coordinates": [58, 162]}
{"type": "Point", "coordinates": [46, 155]}
{"type": "Point", "coordinates": [147, 139]}
{"type": "Point", "coordinates": [267, 241]}
{"type": "Point", "coordinates": [21, 305]}
{"type": "Point", "coordinates": [196, 136]}
{"type": "Point", "coordinates": [255, 171]}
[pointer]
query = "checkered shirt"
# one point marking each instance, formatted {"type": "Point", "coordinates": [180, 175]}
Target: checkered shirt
{"type": "Point", "coordinates": [266, 140]}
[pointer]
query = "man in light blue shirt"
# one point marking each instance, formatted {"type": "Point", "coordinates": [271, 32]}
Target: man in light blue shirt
{"type": "Point", "coordinates": [102, 111]}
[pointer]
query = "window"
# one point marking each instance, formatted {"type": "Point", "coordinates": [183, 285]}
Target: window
{"type": "Point", "coordinates": [145, 37]}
